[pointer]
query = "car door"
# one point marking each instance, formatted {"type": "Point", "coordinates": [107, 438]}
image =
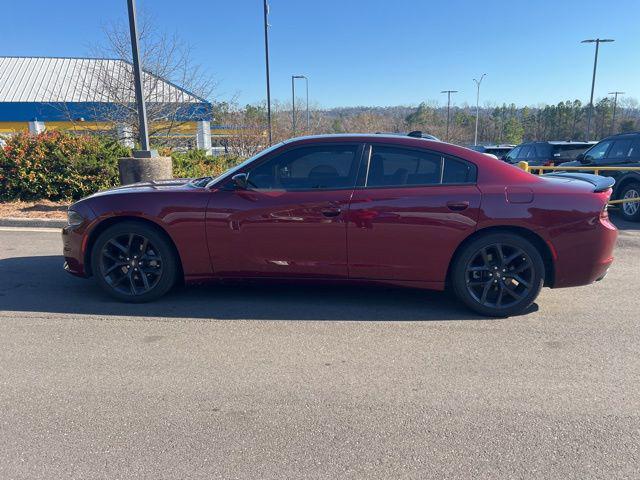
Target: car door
{"type": "Point", "coordinates": [616, 155]}
{"type": "Point", "coordinates": [413, 209]}
{"type": "Point", "coordinates": [290, 220]}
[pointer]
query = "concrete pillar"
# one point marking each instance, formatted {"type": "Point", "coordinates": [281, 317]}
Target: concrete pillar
{"type": "Point", "coordinates": [134, 169]}
{"type": "Point", "coordinates": [36, 127]}
{"type": "Point", "coordinates": [203, 135]}
{"type": "Point", "coordinates": [125, 135]}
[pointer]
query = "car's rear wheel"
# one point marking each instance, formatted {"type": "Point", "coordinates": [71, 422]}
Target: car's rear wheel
{"type": "Point", "coordinates": [631, 210]}
{"type": "Point", "coordinates": [498, 275]}
{"type": "Point", "coordinates": [134, 262]}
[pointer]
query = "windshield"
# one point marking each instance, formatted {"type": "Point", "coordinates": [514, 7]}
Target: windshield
{"type": "Point", "coordinates": [233, 170]}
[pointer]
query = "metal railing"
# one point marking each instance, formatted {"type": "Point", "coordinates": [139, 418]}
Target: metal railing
{"type": "Point", "coordinates": [590, 169]}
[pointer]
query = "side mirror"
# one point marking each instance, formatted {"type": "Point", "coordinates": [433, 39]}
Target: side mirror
{"type": "Point", "coordinates": [240, 181]}
{"type": "Point", "coordinates": [584, 159]}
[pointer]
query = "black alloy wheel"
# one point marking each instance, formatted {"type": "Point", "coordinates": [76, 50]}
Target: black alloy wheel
{"type": "Point", "coordinates": [134, 262]}
{"type": "Point", "coordinates": [498, 274]}
{"type": "Point", "coordinates": [130, 264]}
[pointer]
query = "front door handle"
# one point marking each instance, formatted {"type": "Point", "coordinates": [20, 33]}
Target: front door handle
{"type": "Point", "coordinates": [334, 212]}
{"type": "Point", "coordinates": [457, 206]}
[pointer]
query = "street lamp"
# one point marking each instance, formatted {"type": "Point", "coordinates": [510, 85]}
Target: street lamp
{"type": "Point", "coordinates": [137, 80]}
{"type": "Point", "coordinates": [293, 103]}
{"type": "Point", "coordinates": [597, 41]}
{"type": "Point", "coordinates": [478, 82]}
{"type": "Point", "coordinates": [615, 104]}
{"type": "Point", "coordinates": [448, 92]}
{"type": "Point", "coordinates": [266, 54]}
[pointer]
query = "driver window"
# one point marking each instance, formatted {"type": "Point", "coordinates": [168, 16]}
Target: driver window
{"type": "Point", "coordinates": [320, 167]}
{"type": "Point", "coordinates": [597, 152]}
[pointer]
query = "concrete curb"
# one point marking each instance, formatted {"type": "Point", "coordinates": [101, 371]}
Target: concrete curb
{"type": "Point", "coordinates": [31, 222]}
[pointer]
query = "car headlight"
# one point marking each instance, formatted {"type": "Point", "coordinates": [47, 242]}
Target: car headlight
{"type": "Point", "coordinates": [74, 218]}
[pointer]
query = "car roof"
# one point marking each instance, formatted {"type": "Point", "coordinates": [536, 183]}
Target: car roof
{"type": "Point", "coordinates": [560, 142]}
{"type": "Point", "coordinates": [622, 135]}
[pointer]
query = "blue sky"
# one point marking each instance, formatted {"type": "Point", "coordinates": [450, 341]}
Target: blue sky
{"type": "Point", "coordinates": [370, 52]}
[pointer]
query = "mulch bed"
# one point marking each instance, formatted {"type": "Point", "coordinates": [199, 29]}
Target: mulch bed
{"type": "Point", "coordinates": [38, 209]}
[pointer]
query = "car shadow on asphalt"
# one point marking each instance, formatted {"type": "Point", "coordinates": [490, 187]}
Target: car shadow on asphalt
{"type": "Point", "coordinates": [622, 224]}
{"type": "Point", "coordinates": [39, 284]}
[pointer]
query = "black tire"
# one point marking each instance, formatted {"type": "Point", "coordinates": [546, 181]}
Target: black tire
{"type": "Point", "coordinates": [630, 211]}
{"type": "Point", "coordinates": [511, 281]}
{"type": "Point", "coordinates": [141, 270]}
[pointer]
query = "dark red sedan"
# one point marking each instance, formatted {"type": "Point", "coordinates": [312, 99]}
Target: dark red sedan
{"type": "Point", "coordinates": [363, 208]}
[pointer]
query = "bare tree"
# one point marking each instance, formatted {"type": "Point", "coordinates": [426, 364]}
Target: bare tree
{"type": "Point", "coordinates": [176, 89]}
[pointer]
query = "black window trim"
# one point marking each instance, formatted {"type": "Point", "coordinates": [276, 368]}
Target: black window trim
{"type": "Point", "coordinates": [362, 181]}
{"type": "Point", "coordinates": [284, 150]}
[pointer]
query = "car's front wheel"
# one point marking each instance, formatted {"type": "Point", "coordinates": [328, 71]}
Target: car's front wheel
{"type": "Point", "coordinates": [498, 275]}
{"type": "Point", "coordinates": [631, 208]}
{"type": "Point", "coordinates": [134, 262]}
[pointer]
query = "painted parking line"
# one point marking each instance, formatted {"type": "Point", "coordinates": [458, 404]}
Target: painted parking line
{"type": "Point", "coordinates": [31, 229]}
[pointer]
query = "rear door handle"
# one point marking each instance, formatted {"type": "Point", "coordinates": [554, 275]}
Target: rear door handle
{"type": "Point", "coordinates": [331, 212]}
{"type": "Point", "coordinates": [457, 206]}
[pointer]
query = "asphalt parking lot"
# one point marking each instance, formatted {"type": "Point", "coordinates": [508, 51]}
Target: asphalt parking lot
{"type": "Point", "coordinates": [255, 381]}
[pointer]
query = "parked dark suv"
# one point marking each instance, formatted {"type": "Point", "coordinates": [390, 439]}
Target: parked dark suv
{"type": "Point", "coordinates": [622, 150]}
{"type": "Point", "coordinates": [547, 153]}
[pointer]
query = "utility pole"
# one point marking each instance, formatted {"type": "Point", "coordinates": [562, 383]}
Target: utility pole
{"type": "Point", "coordinates": [293, 106]}
{"type": "Point", "coordinates": [597, 41]}
{"type": "Point", "coordinates": [615, 104]}
{"type": "Point", "coordinates": [137, 80]}
{"type": "Point", "coordinates": [448, 92]}
{"type": "Point", "coordinates": [293, 101]}
{"type": "Point", "coordinates": [266, 54]}
{"type": "Point", "coordinates": [145, 164]}
{"type": "Point", "coordinates": [478, 82]}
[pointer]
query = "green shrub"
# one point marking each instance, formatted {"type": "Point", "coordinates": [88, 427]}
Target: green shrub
{"type": "Point", "coordinates": [195, 164]}
{"type": "Point", "coordinates": [64, 166]}
{"type": "Point", "coordinates": [57, 166]}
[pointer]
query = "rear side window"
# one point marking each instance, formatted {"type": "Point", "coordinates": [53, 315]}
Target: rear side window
{"type": "Point", "coordinates": [542, 150]}
{"type": "Point", "coordinates": [400, 167]}
{"type": "Point", "coordinates": [567, 152]}
{"type": "Point", "coordinates": [391, 167]}
{"type": "Point", "coordinates": [458, 171]}
{"type": "Point", "coordinates": [634, 152]}
{"type": "Point", "coordinates": [619, 150]}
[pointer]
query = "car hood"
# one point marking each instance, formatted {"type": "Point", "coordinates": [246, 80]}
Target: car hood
{"type": "Point", "coordinates": [173, 184]}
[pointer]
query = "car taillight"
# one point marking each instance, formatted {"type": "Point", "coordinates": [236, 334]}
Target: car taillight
{"type": "Point", "coordinates": [604, 214]}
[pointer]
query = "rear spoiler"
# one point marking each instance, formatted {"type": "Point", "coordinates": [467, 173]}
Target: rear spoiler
{"type": "Point", "coordinates": [599, 182]}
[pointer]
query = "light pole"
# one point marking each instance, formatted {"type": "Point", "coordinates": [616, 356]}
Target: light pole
{"type": "Point", "coordinates": [137, 80]}
{"type": "Point", "coordinates": [615, 104]}
{"type": "Point", "coordinates": [293, 101]}
{"type": "Point", "coordinates": [448, 92]}
{"type": "Point", "coordinates": [597, 41]}
{"type": "Point", "coordinates": [478, 82]}
{"type": "Point", "coordinates": [266, 54]}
